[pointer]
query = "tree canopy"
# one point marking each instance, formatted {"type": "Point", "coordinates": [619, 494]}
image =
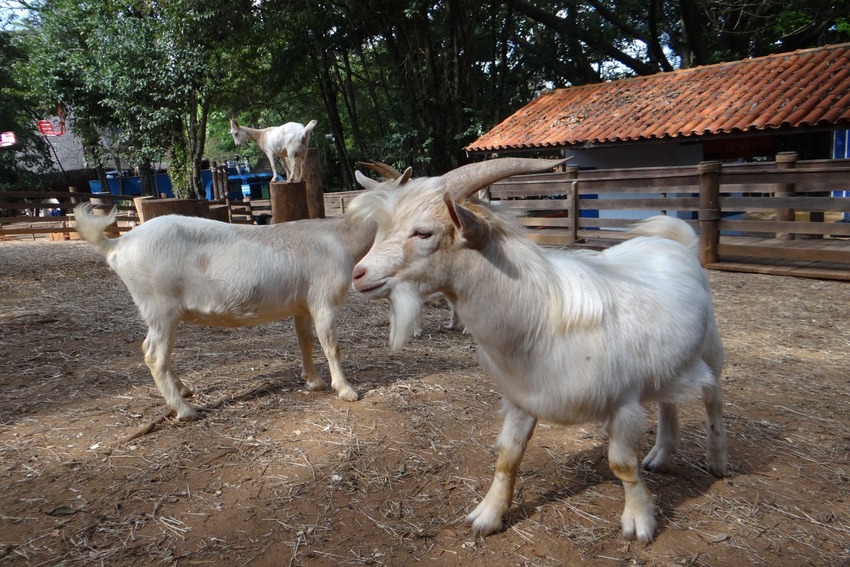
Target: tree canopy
{"type": "Point", "coordinates": [408, 82]}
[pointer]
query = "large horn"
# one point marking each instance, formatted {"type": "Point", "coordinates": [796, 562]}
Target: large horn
{"type": "Point", "coordinates": [382, 169]}
{"type": "Point", "coordinates": [466, 180]}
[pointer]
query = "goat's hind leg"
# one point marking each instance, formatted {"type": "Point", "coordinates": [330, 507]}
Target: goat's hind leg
{"type": "Point", "coordinates": [716, 452]}
{"type": "Point", "coordinates": [158, 347]}
{"type": "Point", "coordinates": [516, 431]}
{"type": "Point", "coordinates": [625, 430]}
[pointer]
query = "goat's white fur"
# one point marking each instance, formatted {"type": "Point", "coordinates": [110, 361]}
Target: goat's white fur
{"type": "Point", "coordinates": [567, 337]}
{"type": "Point", "coordinates": [289, 142]}
{"type": "Point", "coordinates": [207, 272]}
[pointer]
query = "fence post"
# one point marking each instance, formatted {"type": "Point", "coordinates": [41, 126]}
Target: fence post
{"type": "Point", "coordinates": [709, 211]}
{"type": "Point", "coordinates": [785, 160]}
{"type": "Point", "coordinates": [572, 198]}
{"type": "Point", "coordinates": [216, 191]}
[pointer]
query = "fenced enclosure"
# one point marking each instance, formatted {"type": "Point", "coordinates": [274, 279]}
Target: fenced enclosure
{"type": "Point", "coordinates": [34, 213]}
{"type": "Point", "coordinates": [773, 217]}
{"type": "Point", "coordinates": [785, 216]}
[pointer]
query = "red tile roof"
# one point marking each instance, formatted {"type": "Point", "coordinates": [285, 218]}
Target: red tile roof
{"type": "Point", "coordinates": [806, 88]}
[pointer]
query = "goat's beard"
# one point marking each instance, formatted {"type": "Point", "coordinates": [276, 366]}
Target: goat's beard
{"type": "Point", "coordinates": [405, 308]}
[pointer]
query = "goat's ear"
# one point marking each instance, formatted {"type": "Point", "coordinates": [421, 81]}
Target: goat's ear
{"type": "Point", "coordinates": [471, 227]}
{"type": "Point", "coordinates": [366, 182]}
{"type": "Point", "coordinates": [233, 123]}
{"type": "Point", "coordinates": [405, 177]}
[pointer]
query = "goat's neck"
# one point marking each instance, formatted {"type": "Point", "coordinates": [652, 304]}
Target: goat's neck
{"type": "Point", "coordinates": [255, 134]}
{"type": "Point", "coordinates": [508, 285]}
{"type": "Point", "coordinates": [357, 237]}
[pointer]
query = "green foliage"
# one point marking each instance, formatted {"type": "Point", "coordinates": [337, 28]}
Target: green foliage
{"type": "Point", "coordinates": [406, 82]}
{"type": "Point", "coordinates": [140, 78]}
{"type": "Point", "coordinates": [18, 163]}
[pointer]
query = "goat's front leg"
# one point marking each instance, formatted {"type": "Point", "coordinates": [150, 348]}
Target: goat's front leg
{"type": "Point", "coordinates": [625, 430]}
{"type": "Point", "coordinates": [666, 440]}
{"type": "Point", "coordinates": [325, 322]}
{"type": "Point", "coordinates": [304, 330]}
{"type": "Point", "coordinates": [270, 156]}
{"type": "Point", "coordinates": [517, 429]}
{"type": "Point", "coordinates": [158, 346]}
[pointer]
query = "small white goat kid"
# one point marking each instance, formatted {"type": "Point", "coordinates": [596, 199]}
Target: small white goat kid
{"type": "Point", "coordinates": [567, 337]}
{"type": "Point", "coordinates": [288, 142]}
{"type": "Point", "coordinates": [211, 273]}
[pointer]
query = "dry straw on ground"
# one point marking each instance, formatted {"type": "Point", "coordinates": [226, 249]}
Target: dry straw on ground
{"type": "Point", "coordinates": [93, 472]}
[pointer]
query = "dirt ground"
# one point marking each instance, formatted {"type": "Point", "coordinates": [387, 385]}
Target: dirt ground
{"type": "Point", "coordinates": [93, 473]}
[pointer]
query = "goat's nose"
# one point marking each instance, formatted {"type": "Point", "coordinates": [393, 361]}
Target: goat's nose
{"type": "Point", "coordinates": [359, 272]}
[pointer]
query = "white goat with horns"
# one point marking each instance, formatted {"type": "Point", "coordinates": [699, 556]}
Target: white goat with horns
{"type": "Point", "coordinates": [211, 273]}
{"type": "Point", "coordinates": [289, 142]}
{"type": "Point", "coordinates": [567, 337]}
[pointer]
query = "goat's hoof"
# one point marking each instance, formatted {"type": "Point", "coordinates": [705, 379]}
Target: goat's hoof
{"type": "Point", "coordinates": [658, 460]}
{"type": "Point", "coordinates": [484, 522]}
{"type": "Point", "coordinates": [718, 467]}
{"type": "Point", "coordinates": [316, 385]}
{"type": "Point", "coordinates": [348, 394]}
{"type": "Point", "coordinates": [188, 414]}
{"type": "Point", "coordinates": [642, 530]}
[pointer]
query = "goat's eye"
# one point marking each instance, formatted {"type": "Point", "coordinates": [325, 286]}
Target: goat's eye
{"type": "Point", "coordinates": [423, 234]}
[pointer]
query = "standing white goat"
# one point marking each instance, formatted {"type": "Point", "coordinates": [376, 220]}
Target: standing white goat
{"type": "Point", "coordinates": [211, 273]}
{"type": "Point", "coordinates": [288, 142]}
{"type": "Point", "coordinates": [567, 337]}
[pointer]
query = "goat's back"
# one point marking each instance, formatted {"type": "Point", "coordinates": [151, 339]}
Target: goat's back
{"type": "Point", "coordinates": [255, 274]}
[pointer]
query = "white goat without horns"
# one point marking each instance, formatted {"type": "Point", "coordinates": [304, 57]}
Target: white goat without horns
{"type": "Point", "coordinates": [211, 273]}
{"type": "Point", "coordinates": [567, 337]}
{"type": "Point", "coordinates": [289, 142]}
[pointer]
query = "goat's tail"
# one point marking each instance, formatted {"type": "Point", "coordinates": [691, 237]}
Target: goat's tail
{"type": "Point", "coordinates": [93, 227]}
{"type": "Point", "coordinates": [309, 127]}
{"type": "Point", "coordinates": [668, 227]}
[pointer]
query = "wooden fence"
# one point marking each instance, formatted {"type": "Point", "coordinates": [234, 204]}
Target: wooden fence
{"type": "Point", "coordinates": [782, 213]}
{"type": "Point", "coordinates": [777, 217]}
{"type": "Point", "coordinates": [31, 213]}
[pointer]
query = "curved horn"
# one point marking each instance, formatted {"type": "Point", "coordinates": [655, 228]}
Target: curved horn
{"type": "Point", "coordinates": [466, 180]}
{"type": "Point", "coordinates": [382, 169]}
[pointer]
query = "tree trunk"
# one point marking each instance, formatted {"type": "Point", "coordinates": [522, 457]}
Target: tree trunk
{"type": "Point", "coordinates": [146, 179]}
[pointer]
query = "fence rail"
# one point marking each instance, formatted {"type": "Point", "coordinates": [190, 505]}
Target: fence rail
{"type": "Point", "coordinates": [782, 211]}
{"type": "Point", "coordinates": [50, 212]}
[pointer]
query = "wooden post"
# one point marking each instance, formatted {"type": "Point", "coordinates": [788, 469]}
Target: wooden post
{"type": "Point", "coordinates": [149, 208]}
{"type": "Point", "coordinates": [709, 211]}
{"type": "Point", "coordinates": [315, 189]}
{"type": "Point", "coordinates": [573, 211]}
{"type": "Point", "coordinates": [223, 182]}
{"type": "Point", "coordinates": [785, 160]}
{"type": "Point", "coordinates": [214, 174]}
{"type": "Point", "coordinates": [74, 199]}
{"type": "Point", "coordinates": [289, 201]}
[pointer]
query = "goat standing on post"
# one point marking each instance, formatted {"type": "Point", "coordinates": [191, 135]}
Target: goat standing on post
{"type": "Point", "coordinates": [211, 273]}
{"type": "Point", "coordinates": [567, 337]}
{"type": "Point", "coordinates": [288, 142]}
